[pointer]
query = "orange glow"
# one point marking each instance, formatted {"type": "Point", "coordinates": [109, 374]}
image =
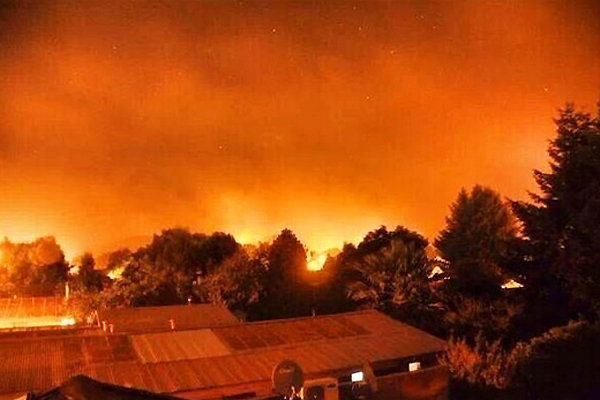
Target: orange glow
{"type": "Point", "coordinates": [26, 230]}
{"type": "Point", "coordinates": [328, 118]}
{"type": "Point", "coordinates": [315, 261]}
{"type": "Point", "coordinates": [116, 273]}
{"type": "Point", "coordinates": [67, 321]}
{"type": "Point", "coordinates": [435, 271]}
{"type": "Point", "coordinates": [245, 238]}
{"type": "Point", "coordinates": [34, 322]}
{"type": "Point", "coordinates": [512, 284]}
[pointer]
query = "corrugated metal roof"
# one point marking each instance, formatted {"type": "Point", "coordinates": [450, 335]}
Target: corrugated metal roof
{"type": "Point", "coordinates": [315, 358]}
{"type": "Point", "coordinates": [277, 333]}
{"type": "Point", "coordinates": [182, 345]}
{"type": "Point", "coordinates": [28, 307]}
{"type": "Point", "coordinates": [157, 319]}
{"type": "Point", "coordinates": [208, 358]}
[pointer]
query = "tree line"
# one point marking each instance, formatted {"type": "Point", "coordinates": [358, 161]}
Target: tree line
{"type": "Point", "coordinates": [541, 340]}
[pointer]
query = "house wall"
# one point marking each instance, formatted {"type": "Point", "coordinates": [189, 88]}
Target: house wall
{"type": "Point", "coordinates": [258, 388]}
{"type": "Point", "coordinates": [426, 384]}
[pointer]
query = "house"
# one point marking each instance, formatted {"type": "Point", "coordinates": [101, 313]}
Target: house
{"type": "Point", "coordinates": [233, 360]}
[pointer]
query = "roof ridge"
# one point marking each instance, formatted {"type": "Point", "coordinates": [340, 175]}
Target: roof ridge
{"type": "Point", "coordinates": [163, 307]}
{"type": "Point", "coordinates": [293, 319]}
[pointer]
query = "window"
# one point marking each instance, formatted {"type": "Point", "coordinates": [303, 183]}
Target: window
{"type": "Point", "coordinates": [357, 376]}
{"type": "Point", "coordinates": [414, 366]}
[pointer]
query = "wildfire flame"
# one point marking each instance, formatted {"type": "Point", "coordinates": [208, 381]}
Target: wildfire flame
{"type": "Point", "coordinates": [116, 273]}
{"type": "Point", "coordinates": [315, 261]}
{"type": "Point", "coordinates": [512, 284]}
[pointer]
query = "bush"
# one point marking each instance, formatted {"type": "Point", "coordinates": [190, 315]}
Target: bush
{"type": "Point", "coordinates": [485, 364]}
{"type": "Point", "coordinates": [492, 318]}
{"type": "Point", "coordinates": [563, 363]}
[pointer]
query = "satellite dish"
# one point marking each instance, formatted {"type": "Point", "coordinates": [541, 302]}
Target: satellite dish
{"type": "Point", "coordinates": [287, 375]}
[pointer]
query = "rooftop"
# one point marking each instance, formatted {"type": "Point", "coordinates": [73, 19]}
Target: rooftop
{"type": "Point", "coordinates": [198, 359]}
{"type": "Point", "coordinates": [82, 387]}
{"type": "Point", "coordinates": [166, 318]}
{"type": "Point", "coordinates": [24, 312]}
{"type": "Point", "coordinates": [26, 307]}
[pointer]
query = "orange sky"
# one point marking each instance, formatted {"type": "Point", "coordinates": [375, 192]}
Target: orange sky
{"type": "Point", "coordinates": [330, 118]}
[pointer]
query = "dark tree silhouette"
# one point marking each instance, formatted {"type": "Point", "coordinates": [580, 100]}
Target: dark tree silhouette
{"type": "Point", "coordinates": [381, 237]}
{"type": "Point", "coordinates": [236, 283]}
{"type": "Point", "coordinates": [392, 277]}
{"type": "Point", "coordinates": [88, 279]}
{"type": "Point", "coordinates": [477, 239]}
{"type": "Point", "coordinates": [118, 258]}
{"type": "Point", "coordinates": [143, 284]}
{"type": "Point", "coordinates": [341, 272]}
{"type": "Point", "coordinates": [562, 223]}
{"type": "Point", "coordinates": [287, 292]}
{"type": "Point", "coordinates": [166, 271]}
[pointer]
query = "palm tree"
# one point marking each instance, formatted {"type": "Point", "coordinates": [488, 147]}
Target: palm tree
{"type": "Point", "coordinates": [393, 277]}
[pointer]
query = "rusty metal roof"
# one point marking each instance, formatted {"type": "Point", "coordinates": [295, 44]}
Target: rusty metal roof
{"type": "Point", "coordinates": [165, 318]}
{"type": "Point", "coordinates": [172, 362]}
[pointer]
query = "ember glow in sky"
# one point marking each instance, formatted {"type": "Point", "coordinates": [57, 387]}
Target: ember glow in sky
{"type": "Point", "coordinates": [331, 118]}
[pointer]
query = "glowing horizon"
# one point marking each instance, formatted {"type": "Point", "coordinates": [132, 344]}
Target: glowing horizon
{"type": "Point", "coordinates": [327, 118]}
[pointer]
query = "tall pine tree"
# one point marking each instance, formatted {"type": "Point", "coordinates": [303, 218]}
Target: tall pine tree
{"type": "Point", "coordinates": [476, 240]}
{"type": "Point", "coordinates": [562, 223]}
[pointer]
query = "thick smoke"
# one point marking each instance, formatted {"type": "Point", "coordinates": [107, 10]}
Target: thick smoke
{"type": "Point", "coordinates": [331, 118]}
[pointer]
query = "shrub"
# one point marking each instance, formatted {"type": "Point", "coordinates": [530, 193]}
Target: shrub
{"type": "Point", "coordinates": [484, 364]}
{"type": "Point", "coordinates": [563, 363]}
{"type": "Point", "coordinates": [491, 318]}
